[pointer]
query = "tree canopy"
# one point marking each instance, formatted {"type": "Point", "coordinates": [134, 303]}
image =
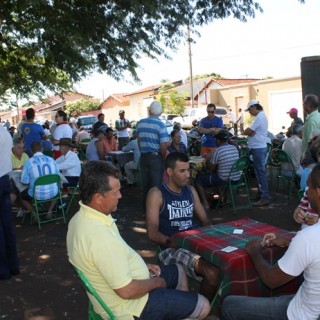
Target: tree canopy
{"type": "Point", "coordinates": [173, 102]}
{"type": "Point", "coordinates": [50, 44]}
{"type": "Point", "coordinates": [83, 105]}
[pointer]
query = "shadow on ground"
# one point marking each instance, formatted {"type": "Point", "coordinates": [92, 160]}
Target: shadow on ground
{"type": "Point", "coordinates": [47, 287]}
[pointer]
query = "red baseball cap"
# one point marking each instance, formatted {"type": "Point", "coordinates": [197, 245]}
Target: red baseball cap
{"type": "Point", "coordinates": [293, 110]}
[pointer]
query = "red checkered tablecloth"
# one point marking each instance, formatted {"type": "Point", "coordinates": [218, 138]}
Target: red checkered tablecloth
{"type": "Point", "coordinates": [238, 272]}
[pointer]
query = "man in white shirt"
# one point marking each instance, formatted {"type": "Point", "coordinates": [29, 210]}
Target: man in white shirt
{"type": "Point", "coordinates": [83, 134]}
{"type": "Point", "coordinates": [257, 140]}
{"type": "Point", "coordinates": [122, 125]}
{"type": "Point", "coordinates": [240, 121]}
{"type": "Point", "coordinates": [232, 120]}
{"type": "Point", "coordinates": [183, 135]}
{"type": "Point", "coordinates": [68, 163]}
{"type": "Point", "coordinates": [302, 257]}
{"type": "Point", "coordinates": [293, 147]}
{"type": "Point", "coordinates": [9, 263]}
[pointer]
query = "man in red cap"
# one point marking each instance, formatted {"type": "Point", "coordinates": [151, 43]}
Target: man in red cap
{"type": "Point", "coordinates": [293, 113]}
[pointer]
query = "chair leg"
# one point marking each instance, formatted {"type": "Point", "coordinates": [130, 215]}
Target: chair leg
{"type": "Point", "coordinates": [71, 200]}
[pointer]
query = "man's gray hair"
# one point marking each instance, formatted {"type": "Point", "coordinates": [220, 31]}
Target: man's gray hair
{"type": "Point", "coordinates": [156, 108]}
{"type": "Point", "coordinates": [16, 142]}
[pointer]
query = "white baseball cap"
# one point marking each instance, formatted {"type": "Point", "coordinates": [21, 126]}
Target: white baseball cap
{"type": "Point", "coordinates": [252, 103]}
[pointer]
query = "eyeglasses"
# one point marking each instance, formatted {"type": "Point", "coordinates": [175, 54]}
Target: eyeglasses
{"type": "Point", "coordinates": [210, 111]}
{"type": "Point", "coordinates": [57, 116]}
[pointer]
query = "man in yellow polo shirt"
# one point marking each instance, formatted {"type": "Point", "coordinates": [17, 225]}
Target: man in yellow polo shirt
{"type": "Point", "coordinates": [130, 287]}
{"type": "Point", "coordinates": [18, 157]}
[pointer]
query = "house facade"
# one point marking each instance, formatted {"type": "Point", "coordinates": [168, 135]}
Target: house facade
{"type": "Point", "coordinates": [276, 96]}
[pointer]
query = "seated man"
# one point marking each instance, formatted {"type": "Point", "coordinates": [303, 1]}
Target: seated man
{"type": "Point", "coordinates": [68, 163]}
{"type": "Point", "coordinates": [18, 159]}
{"type": "Point", "coordinates": [131, 166]}
{"type": "Point", "coordinates": [220, 165]}
{"type": "Point", "coordinates": [170, 209]}
{"type": "Point", "coordinates": [302, 257]}
{"type": "Point", "coordinates": [83, 134]}
{"type": "Point", "coordinates": [110, 143]}
{"type": "Point", "coordinates": [293, 147]}
{"type": "Point", "coordinates": [130, 288]}
{"type": "Point", "coordinates": [37, 166]}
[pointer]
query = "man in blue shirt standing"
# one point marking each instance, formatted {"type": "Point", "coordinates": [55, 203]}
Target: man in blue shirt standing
{"type": "Point", "coordinates": [208, 127]}
{"type": "Point", "coordinates": [153, 141]}
{"type": "Point", "coordinates": [31, 131]}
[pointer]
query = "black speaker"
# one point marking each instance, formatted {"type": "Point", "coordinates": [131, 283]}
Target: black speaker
{"type": "Point", "coordinates": [310, 75]}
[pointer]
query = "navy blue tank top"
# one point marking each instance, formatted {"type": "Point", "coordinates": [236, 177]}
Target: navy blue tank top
{"type": "Point", "coordinates": [176, 213]}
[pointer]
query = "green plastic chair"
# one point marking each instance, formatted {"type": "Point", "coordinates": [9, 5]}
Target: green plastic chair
{"type": "Point", "coordinates": [242, 142]}
{"type": "Point", "coordinates": [241, 165]}
{"type": "Point", "coordinates": [39, 208]}
{"type": "Point", "coordinates": [91, 313]}
{"type": "Point", "coordinates": [49, 153]}
{"type": "Point", "coordinates": [75, 191]}
{"type": "Point", "coordinates": [285, 171]}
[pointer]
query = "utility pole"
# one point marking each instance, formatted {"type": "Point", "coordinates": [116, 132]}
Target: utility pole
{"type": "Point", "coordinates": [190, 69]}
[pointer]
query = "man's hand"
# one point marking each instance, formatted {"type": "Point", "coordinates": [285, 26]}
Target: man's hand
{"type": "Point", "coordinates": [270, 240]}
{"type": "Point", "coordinates": [154, 270]}
{"type": "Point", "coordinates": [267, 238]}
{"type": "Point", "coordinates": [311, 218]}
{"type": "Point", "coordinates": [253, 246]}
{"type": "Point", "coordinates": [299, 215]}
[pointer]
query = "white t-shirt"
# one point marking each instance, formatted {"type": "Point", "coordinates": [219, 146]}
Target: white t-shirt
{"type": "Point", "coordinates": [62, 131]}
{"type": "Point", "coordinates": [232, 116]}
{"type": "Point", "coordinates": [69, 165]}
{"type": "Point", "coordinates": [260, 127]}
{"type": "Point", "coordinates": [303, 256]}
{"type": "Point", "coordinates": [184, 137]}
{"type": "Point", "coordinates": [5, 151]}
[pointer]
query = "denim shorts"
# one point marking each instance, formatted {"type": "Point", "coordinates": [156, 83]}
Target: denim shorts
{"type": "Point", "coordinates": [168, 303]}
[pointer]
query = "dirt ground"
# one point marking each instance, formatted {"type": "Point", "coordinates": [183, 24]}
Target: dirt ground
{"type": "Point", "coordinates": [47, 287]}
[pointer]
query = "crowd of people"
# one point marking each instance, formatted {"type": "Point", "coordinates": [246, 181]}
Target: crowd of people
{"type": "Point", "coordinates": [131, 288]}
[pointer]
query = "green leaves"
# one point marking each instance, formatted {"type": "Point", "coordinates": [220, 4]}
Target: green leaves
{"type": "Point", "coordinates": [50, 44]}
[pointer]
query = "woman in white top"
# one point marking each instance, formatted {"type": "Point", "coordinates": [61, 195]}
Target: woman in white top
{"type": "Point", "coordinates": [63, 130]}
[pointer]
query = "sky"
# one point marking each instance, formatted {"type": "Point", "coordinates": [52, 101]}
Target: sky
{"type": "Point", "coordinates": [271, 44]}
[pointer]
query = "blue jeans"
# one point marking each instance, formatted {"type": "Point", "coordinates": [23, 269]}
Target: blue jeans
{"type": "Point", "coordinates": [168, 303]}
{"type": "Point", "coordinates": [151, 171]}
{"type": "Point", "coordinates": [259, 160]}
{"type": "Point", "coordinates": [9, 263]}
{"type": "Point", "coordinates": [253, 308]}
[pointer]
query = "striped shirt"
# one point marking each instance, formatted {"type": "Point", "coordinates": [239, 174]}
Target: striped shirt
{"type": "Point", "coordinates": [37, 166]}
{"type": "Point", "coordinates": [225, 156]}
{"type": "Point", "coordinates": [151, 132]}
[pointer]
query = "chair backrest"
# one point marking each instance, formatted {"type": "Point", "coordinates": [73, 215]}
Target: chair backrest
{"type": "Point", "coordinates": [285, 163]}
{"type": "Point", "coordinates": [282, 157]}
{"type": "Point", "coordinates": [94, 293]}
{"type": "Point", "coordinates": [244, 152]}
{"type": "Point", "coordinates": [241, 164]}
{"type": "Point", "coordinates": [49, 153]}
{"type": "Point", "coordinates": [46, 180]}
{"type": "Point", "coordinates": [242, 141]}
